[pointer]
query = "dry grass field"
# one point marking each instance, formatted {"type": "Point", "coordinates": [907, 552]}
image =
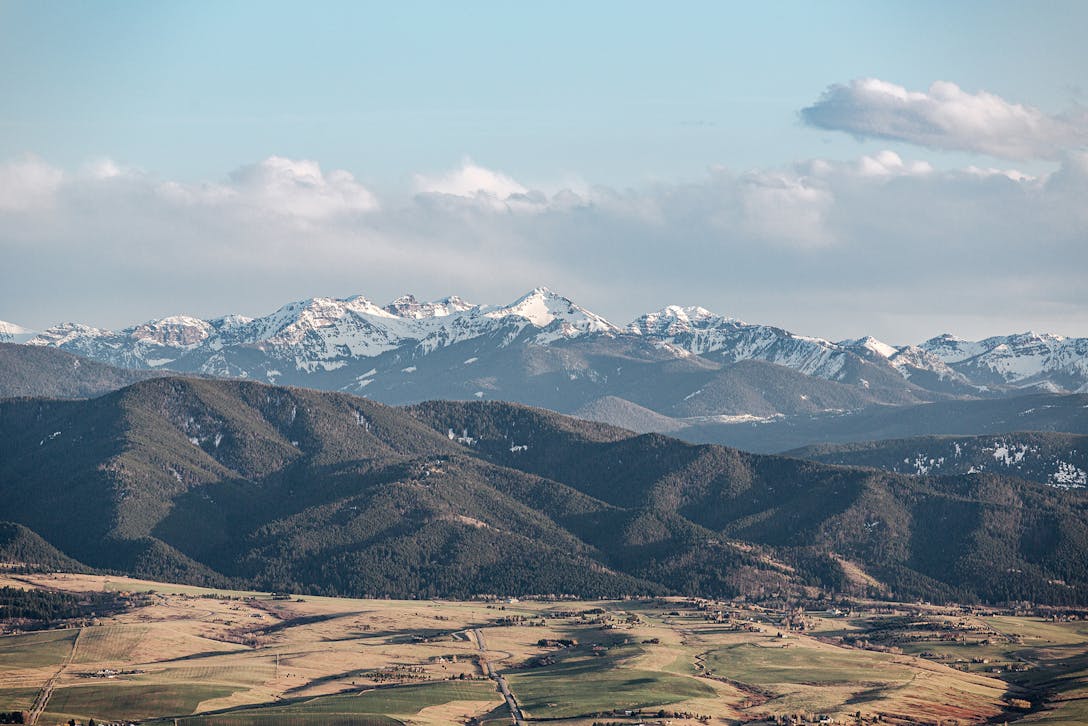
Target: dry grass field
{"type": "Point", "coordinates": [230, 658]}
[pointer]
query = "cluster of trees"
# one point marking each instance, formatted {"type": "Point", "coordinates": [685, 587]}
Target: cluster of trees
{"type": "Point", "coordinates": [48, 606]}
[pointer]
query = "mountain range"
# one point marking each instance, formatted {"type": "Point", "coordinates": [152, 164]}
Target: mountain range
{"type": "Point", "coordinates": [235, 482]}
{"type": "Point", "coordinates": [686, 364]}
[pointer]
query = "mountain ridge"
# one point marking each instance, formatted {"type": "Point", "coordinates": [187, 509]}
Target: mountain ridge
{"type": "Point", "coordinates": [695, 368]}
{"type": "Point", "coordinates": [354, 327]}
{"type": "Point", "coordinates": [219, 482]}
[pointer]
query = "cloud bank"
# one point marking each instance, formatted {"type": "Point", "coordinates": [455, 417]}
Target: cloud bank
{"type": "Point", "coordinates": [947, 117]}
{"type": "Point", "coordinates": [878, 244]}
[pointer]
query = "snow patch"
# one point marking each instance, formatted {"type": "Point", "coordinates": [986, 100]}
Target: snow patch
{"type": "Point", "coordinates": [1069, 476]}
{"type": "Point", "coordinates": [464, 438]}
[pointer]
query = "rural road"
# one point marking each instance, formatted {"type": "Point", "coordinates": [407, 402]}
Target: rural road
{"type": "Point", "coordinates": [47, 690]}
{"type": "Point", "coordinates": [511, 702]}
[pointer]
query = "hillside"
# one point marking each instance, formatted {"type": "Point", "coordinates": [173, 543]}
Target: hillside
{"type": "Point", "coordinates": [279, 488]}
{"type": "Point", "coordinates": [27, 370]}
{"type": "Point", "coordinates": [21, 547]}
{"type": "Point", "coordinates": [1032, 412]}
{"type": "Point", "coordinates": [1052, 458]}
{"type": "Point", "coordinates": [208, 481]}
{"type": "Point", "coordinates": [978, 535]}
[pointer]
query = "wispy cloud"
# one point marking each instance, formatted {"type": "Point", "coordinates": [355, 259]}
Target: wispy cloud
{"type": "Point", "coordinates": [470, 180]}
{"type": "Point", "coordinates": [947, 117]}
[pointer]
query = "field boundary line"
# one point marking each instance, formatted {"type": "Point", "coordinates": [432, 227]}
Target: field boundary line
{"type": "Point", "coordinates": [42, 700]}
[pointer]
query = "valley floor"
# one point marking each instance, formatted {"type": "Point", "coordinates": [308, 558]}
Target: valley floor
{"type": "Point", "coordinates": [195, 656]}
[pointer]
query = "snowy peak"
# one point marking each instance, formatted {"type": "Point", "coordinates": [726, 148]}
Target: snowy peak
{"type": "Point", "coordinates": [539, 307]}
{"type": "Point", "coordinates": [701, 332]}
{"type": "Point", "coordinates": [12, 333]}
{"type": "Point", "coordinates": [544, 308]}
{"type": "Point", "coordinates": [177, 331]}
{"type": "Point", "coordinates": [951, 349]}
{"type": "Point", "coordinates": [294, 320]}
{"type": "Point", "coordinates": [871, 345]}
{"type": "Point", "coordinates": [675, 319]}
{"type": "Point", "coordinates": [406, 306]}
{"type": "Point", "coordinates": [65, 333]}
{"type": "Point", "coordinates": [1023, 358]}
{"type": "Point", "coordinates": [229, 323]}
{"type": "Point", "coordinates": [325, 334]}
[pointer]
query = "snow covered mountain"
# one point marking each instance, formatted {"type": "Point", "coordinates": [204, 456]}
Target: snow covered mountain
{"type": "Point", "coordinates": [543, 349]}
{"type": "Point", "coordinates": [701, 332]}
{"type": "Point", "coordinates": [1050, 362]}
{"type": "Point", "coordinates": [324, 334]}
{"type": "Point", "coordinates": [12, 333]}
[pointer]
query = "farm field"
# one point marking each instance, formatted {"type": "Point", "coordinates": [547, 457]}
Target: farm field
{"type": "Point", "coordinates": [204, 657]}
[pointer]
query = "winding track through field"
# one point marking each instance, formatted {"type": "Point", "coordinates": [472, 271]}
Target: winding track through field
{"type": "Point", "coordinates": [47, 690]}
{"type": "Point", "coordinates": [756, 696]}
{"type": "Point", "coordinates": [504, 689]}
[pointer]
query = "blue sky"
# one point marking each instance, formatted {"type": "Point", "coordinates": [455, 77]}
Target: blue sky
{"type": "Point", "coordinates": [615, 92]}
{"type": "Point", "coordinates": [640, 100]}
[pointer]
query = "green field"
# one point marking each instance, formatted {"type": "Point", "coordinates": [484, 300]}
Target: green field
{"type": "Point", "coordinates": [36, 650]}
{"type": "Point", "coordinates": [122, 701]}
{"type": "Point", "coordinates": [347, 708]}
{"type": "Point", "coordinates": [312, 719]}
{"type": "Point", "coordinates": [17, 699]}
{"type": "Point", "coordinates": [760, 664]}
{"type": "Point", "coordinates": [593, 685]}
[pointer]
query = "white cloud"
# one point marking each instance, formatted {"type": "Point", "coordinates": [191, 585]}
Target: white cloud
{"type": "Point", "coordinates": [946, 117]}
{"type": "Point", "coordinates": [786, 208]}
{"type": "Point", "coordinates": [470, 181]}
{"type": "Point", "coordinates": [28, 183]}
{"type": "Point", "coordinates": [299, 188]}
{"type": "Point", "coordinates": [833, 248]}
{"type": "Point", "coordinates": [277, 189]}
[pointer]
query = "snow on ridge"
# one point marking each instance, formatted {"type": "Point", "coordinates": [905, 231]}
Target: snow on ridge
{"type": "Point", "coordinates": [1016, 358]}
{"type": "Point", "coordinates": [872, 345]}
{"type": "Point", "coordinates": [407, 306]}
{"type": "Point", "coordinates": [320, 331]}
{"type": "Point", "coordinates": [64, 333]}
{"type": "Point", "coordinates": [560, 316]}
{"type": "Point", "coordinates": [13, 333]}
{"type": "Point", "coordinates": [673, 319]}
{"type": "Point", "coordinates": [700, 332]}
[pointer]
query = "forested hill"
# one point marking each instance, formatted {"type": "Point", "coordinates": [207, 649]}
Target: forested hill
{"type": "Point", "coordinates": [1053, 458]}
{"type": "Point", "coordinates": [292, 489]}
{"type": "Point", "coordinates": [27, 370]}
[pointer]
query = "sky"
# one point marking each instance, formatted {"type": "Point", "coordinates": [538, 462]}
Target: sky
{"type": "Point", "coordinates": [839, 169]}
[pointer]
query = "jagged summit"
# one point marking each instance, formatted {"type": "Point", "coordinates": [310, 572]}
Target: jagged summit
{"type": "Point", "coordinates": [674, 318]}
{"type": "Point", "coordinates": [365, 344]}
{"type": "Point", "coordinates": [407, 306]}
{"type": "Point", "coordinates": [543, 308]}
